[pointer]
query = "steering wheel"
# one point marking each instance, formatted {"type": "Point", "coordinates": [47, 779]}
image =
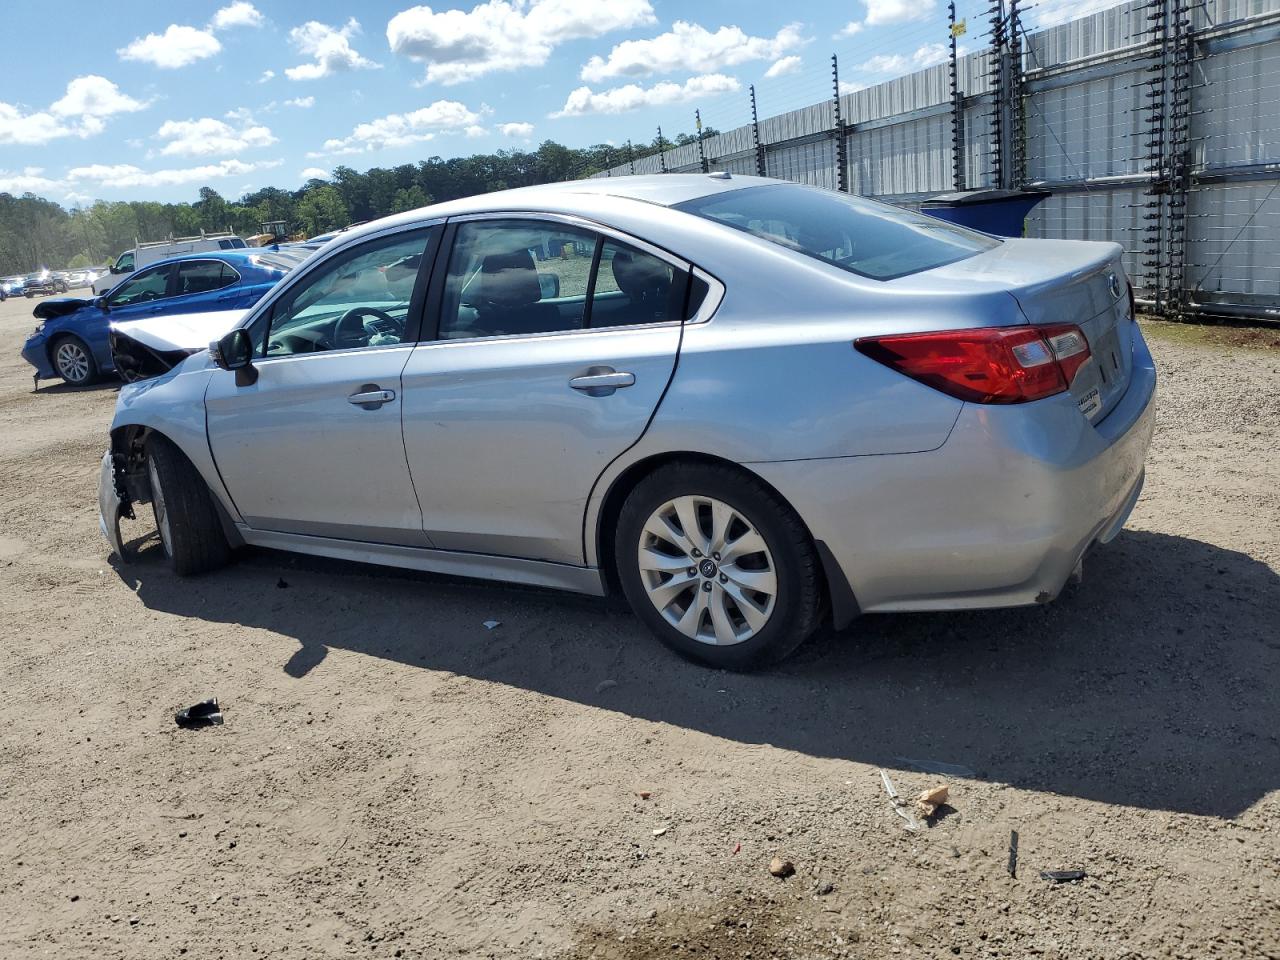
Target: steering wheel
{"type": "Point", "coordinates": [386, 323]}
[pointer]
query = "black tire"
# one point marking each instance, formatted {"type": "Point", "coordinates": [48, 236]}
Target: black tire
{"type": "Point", "coordinates": [77, 373]}
{"type": "Point", "coordinates": [799, 591]}
{"type": "Point", "coordinates": [193, 540]}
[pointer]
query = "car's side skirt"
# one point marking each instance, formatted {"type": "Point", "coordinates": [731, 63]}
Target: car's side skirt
{"type": "Point", "coordinates": [539, 573]}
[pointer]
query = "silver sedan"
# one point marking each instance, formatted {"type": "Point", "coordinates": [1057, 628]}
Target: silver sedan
{"type": "Point", "coordinates": [749, 406]}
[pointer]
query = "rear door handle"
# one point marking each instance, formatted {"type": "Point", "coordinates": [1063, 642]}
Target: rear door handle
{"type": "Point", "coordinates": [371, 396]}
{"type": "Point", "coordinates": [602, 381]}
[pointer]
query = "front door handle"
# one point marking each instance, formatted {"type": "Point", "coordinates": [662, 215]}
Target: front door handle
{"type": "Point", "coordinates": [370, 396]}
{"type": "Point", "coordinates": [602, 381]}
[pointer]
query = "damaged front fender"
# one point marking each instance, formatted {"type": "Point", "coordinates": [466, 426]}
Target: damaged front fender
{"type": "Point", "coordinates": [112, 505]}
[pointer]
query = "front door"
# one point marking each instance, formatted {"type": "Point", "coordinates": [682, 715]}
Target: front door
{"type": "Point", "coordinates": [554, 346]}
{"type": "Point", "coordinates": [314, 446]}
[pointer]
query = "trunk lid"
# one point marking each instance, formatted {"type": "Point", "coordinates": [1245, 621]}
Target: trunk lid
{"type": "Point", "coordinates": [1067, 281]}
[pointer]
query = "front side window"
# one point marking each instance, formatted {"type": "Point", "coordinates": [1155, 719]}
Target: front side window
{"type": "Point", "coordinates": [149, 285]}
{"type": "Point", "coordinates": [512, 277]}
{"type": "Point", "coordinates": [359, 299]}
{"type": "Point", "coordinates": [202, 276]}
{"type": "Point", "coordinates": [862, 236]}
{"type": "Point", "coordinates": [124, 263]}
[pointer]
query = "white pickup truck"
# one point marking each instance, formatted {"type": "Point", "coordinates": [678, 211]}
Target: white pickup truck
{"type": "Point", "coordinates": [156, 250]}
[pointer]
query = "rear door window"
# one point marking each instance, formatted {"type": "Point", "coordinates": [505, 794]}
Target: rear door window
{"type": "Point", "coordinates": [862, 236]}
{"type": "Point", "coordinates": [526, 276]}
{"type": "Point", "coordinates": [202, 276]}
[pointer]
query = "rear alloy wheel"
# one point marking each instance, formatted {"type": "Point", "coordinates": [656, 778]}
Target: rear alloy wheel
{"type": "Point", "coordinates": [718, 566]}
{"type": "Point", "coordinates": [186, 518]}
{"type": "Point", "coordinates": [74, 362]}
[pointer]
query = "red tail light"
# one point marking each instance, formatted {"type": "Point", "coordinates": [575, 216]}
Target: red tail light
{"type": "Point", "coordinates": [987, 364]}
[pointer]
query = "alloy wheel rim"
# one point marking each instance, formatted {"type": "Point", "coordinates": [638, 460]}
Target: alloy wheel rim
{"type": "Point", "coordinates": [73, 362]}
{"type": "Point", "coordinates": [158, 507]}
{"type": "Point", "coordinates": [707, 570]}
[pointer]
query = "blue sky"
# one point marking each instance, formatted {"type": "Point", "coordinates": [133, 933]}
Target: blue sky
{"type": "Point", "coordinates": [134, 100]}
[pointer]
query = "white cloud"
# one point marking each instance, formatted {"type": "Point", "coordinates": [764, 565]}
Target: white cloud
{"type": "Point", "coordinates": [176, 47]}
{"type": "Point", "coordinates": [330, 49]}
{"type": "Point", "coordinates": [925, 56]}
{"type": "Point", "coordinates": [516, 129]}
{"type": "Point", "coordinates": [28, 180]}
{"type": "Point", "coordinates": [401, 129]}
{"type": "Point", "coordinates": [207, 136]}
{"type": "Point", "coordinates": [266, 75]}
{"type": "Point", "coordinates": [124, 175]}
{"type": "Point", "coordinates": [80, 112]}
{"type": "Point", "coordinates": [475, 130]}
{"type": "Point", "coordinates": [313, 173]}
{"type": "Point", "coordinates": [688, 47]}
{"type": "Point", "coordinates": [302, 103]}
{"type": "Point", "coordinates": [781, 68]}
{"type": "Point", "coordinates": [238, 14]}
{"type": "Point", "coordinates": [852, 28]}
{"type": "Point", "coordinates": [880, 12]}
{"type": "Point", "coordinates": [848, 86]}
{"type": "Point", "coordinates": [633, 96]}
{"type": "Point", "coordinates": [504, 34]}
{"type": "Point", "coordinates": [1050, 13]}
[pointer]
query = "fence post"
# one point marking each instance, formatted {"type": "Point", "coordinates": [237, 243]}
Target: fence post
{"type": "Point", "coordinates": [631, 156]}
{"type": "Point", "coordinates": [998, 76]}
{"type": "Point", "coordinates": [957, 108]}
{"type": "Point", "coordinates": [761, 168]}
{"type": "Point", "coordinates": [842, 165]}
{"type": "Point", "coordinates": [662, 151]}
{"type": "Point", "coordinates": [702, 154]}
{"type": "Point", "coordinates": [1017, 161]}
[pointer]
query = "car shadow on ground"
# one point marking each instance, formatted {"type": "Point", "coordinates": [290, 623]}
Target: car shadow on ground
{"type": "Point", "coordinates": [1152, 684]}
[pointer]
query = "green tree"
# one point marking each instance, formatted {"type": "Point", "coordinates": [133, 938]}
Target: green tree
{"type": "Point", "coordinates": [323, 209]}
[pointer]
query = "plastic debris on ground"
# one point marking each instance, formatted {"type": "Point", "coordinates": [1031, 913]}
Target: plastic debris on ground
{"type": "Point", "coordinates": [492, 624]}
{"type": "Point", "coordinates": [206, 713]}
{"type": "Point", "coordinates": [1013, 854]}
{"type": "Point", "coordinates": [1062, 876]}
{"type": "Point", "coordinates": [899, 805]}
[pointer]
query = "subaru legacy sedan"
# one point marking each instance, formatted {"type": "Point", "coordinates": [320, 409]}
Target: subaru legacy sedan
{"type": "Point", "coordinates": [751, 407]}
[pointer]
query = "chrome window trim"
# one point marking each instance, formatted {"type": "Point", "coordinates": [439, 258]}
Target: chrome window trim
{"type": "Point", "coordinates": [546, 334]}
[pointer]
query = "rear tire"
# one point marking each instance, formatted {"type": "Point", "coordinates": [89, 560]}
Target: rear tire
{"type": "Point", "coordinates": [73, 361]}
{"type": "Point", "coordinates": [185, 515]}
{"type": "Point", "coordinates": [744, 590]}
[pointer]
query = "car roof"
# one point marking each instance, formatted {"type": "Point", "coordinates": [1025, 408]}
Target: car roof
{"type": "Point", "coordinates": [237, 256]}
{"type": "Point", "coordinates": [664, 189]}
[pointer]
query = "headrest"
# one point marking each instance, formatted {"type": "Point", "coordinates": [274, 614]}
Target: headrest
{"type": "Point", "coordinates": [641, 277]}
{"type": "Point", "coordinates": [509, 280]}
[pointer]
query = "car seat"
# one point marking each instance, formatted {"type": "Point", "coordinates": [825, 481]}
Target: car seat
{"type": "Point", "coordinates": [509, 297]}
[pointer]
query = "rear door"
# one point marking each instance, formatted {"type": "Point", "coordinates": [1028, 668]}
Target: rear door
{"type": "Point", "coordinates": [521, 399]}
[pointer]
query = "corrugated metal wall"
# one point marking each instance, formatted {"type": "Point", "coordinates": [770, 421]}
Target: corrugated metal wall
{"type": "Point", "coordinates": [1086, 139]}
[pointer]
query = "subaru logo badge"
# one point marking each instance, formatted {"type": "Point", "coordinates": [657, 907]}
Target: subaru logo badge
{"type": "Point", "coordinates": [1114, 283]}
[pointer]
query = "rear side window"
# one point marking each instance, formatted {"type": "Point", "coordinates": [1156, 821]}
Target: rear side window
{"type": "Point", "coordinates": [862, 236]}
{"type": "Point", "coordinates": [201, 276]}
{"type": "Point", "coordinates": [513, 277]}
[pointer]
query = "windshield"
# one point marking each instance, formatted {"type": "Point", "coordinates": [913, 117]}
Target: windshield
{"type": "Point", "coordinates": [862, 236]}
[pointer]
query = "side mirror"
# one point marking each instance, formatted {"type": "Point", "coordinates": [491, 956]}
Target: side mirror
{"type": "Point", "coordinates": [235, 352]}
{"type": "Point", "coordinates": [101, 303]}
{"type": "Point", "coordinates": [550, 284]}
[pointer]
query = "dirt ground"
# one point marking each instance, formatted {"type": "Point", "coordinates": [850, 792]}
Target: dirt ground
{"type": "Point", "coordinates": [395, 780]}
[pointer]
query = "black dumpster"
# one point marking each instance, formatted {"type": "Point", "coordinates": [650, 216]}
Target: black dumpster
{"type": "Point", "coordinates": [1000, 212]}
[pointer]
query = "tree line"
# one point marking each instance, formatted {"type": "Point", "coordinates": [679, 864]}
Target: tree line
{"type": "Point", "coordinates": [35, 232]}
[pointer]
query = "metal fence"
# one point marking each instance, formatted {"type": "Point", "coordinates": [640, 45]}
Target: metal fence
{"type": "Point", "coordinates": [1155, 124]}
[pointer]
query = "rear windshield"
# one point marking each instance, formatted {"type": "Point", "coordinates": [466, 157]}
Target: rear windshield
{"type": "Point", "coordinates": [862, 236]}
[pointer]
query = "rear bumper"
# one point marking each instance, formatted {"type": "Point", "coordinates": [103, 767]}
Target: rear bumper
{"type": "Point", "coordinates": [997, 516]}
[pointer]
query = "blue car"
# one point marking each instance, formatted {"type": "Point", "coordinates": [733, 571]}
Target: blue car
{"type": "Point", "coordinates": [72, 340]}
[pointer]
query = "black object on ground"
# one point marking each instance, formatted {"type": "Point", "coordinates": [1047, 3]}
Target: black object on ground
{"type": "Point", "coordinates": [1013, 854]}
{"type": "Point", "coordinates": [206, 713]}
{"type": "Point", "coordinates": [282, 584]}
{"type": "Point", "coordinates": [1062, 876]}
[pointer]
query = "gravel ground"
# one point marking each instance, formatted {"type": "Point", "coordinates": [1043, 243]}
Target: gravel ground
{"type": "Point", "coordinates": [394, 780]}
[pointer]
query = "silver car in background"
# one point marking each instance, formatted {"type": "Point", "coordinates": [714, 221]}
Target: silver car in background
{"type": "Point", "coordinates": [750, 406]}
